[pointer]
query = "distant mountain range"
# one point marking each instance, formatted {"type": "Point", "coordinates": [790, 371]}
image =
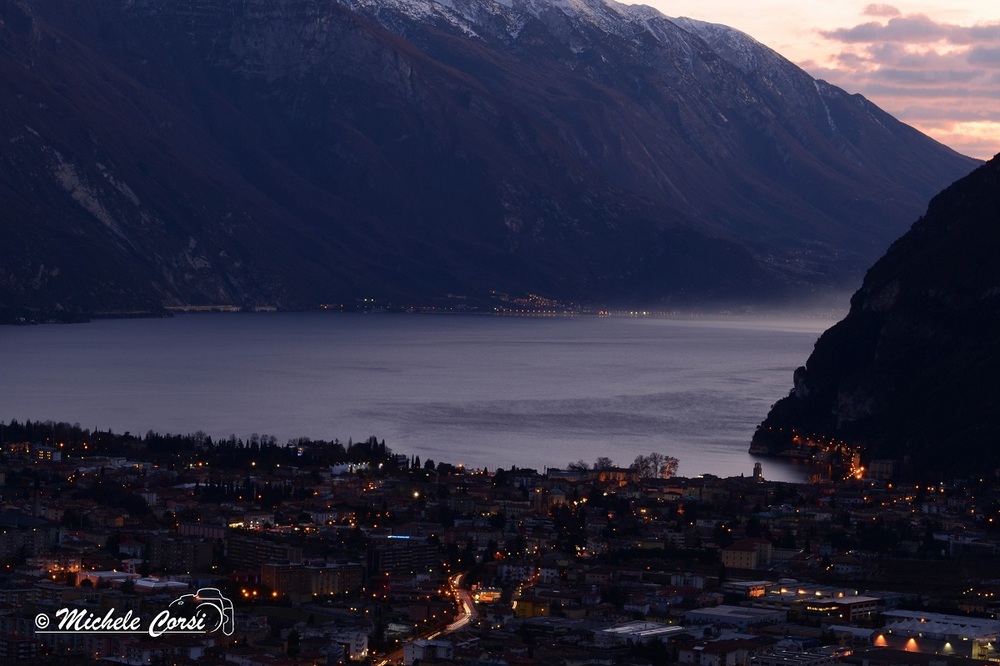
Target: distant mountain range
{"type": "Point", "coordinates": [290, 153]}
{"type": "Point", "coordinates": [912, 374]}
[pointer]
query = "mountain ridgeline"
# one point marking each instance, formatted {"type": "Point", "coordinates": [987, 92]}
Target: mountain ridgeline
{"type": "Point", "coordinates": [290, 153]}
{"type": "Point", "coordinates": [912, 374]}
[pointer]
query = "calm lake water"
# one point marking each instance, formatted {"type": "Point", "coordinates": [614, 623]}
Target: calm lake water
{"type": "Point", "coordinates": [478, 390]}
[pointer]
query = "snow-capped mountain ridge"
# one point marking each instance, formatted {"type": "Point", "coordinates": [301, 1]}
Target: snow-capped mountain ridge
{"type": "Point", "coordinates": [584, 25]}
{"type": "Point", "coordinates": [475, 17]}
{"type": "Point", "coordinates": [735, 46]}
{"type": "Point", "coordinates": [294, 152]}
{"type": "Point", "coordinates": [731, 98]}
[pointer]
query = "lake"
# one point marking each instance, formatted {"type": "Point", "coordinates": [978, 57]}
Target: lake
{"type": "Point", "coordinates": [478, 390]}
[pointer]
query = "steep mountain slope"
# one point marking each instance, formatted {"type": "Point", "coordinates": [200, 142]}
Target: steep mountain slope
{"type": "Point", "coordinates": [716, 124]}
{"type": "Point", "coordinates": [911, 373]}
{"type": "Point", "coordinates": [300, 152]}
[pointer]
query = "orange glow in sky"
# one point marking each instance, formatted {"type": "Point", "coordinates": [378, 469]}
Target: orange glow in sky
{"type": "Point", "coordinates": [934, 65]}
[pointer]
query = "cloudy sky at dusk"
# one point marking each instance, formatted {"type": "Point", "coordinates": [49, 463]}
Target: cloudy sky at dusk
{"type": "Point", "coordinates": [933, 64]}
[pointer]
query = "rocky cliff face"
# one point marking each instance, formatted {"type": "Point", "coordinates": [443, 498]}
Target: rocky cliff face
{"type": "Point", "coordinates": [300, 152]}
{"type": "Point", "coordinates": [911, 373]}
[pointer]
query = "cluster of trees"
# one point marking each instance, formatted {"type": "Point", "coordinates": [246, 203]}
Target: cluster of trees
{"type": "Point", "coordinates": [111, 493]}
{"type": "Point", "coordinates": [264, 452]}
{"type": "Point", "coordinates": [652, 466]}
{"type": "Point", "coordinates": [655, 466]}
{"type": "Point", "coordinates": [602, 462]}
{"type": "Point", "coordinates": [430, 467]}
{"type": "Point", "coordinates": [266, 494]}
{"type": "Point", "coordinates": [226, 453]}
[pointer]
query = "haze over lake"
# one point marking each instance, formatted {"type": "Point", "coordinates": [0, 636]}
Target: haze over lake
{"type": "Point", "coordinates": [478, 390]}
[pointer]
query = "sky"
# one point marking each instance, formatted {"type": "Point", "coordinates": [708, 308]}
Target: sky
{"type": "Point", "coordinates": [934, 65]}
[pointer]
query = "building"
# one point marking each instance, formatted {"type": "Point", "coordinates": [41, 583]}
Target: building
{"type": "Point", "coordinates": [160, 586]}
{"type": "Point", "coordinates": [104, 578]}
{"type": "Point", "coordinates": [796, 658]}
{"type": "Point", "coordinates": [696, 581]}
{"type": "Point", "coordinates": [488, 595]}
{"type": "Point", "coordinates": [335, 578]}
{"type": "Point", "coordinates": [637, 632]}
{"type": "Point", "coordinates": [246, 552]}
{"type": "Point", "coordinates": [19, 596]}
{"type": "Point", "coordinates": [354, 643]}
{"type": "Point", "coordinates": [940, 634]}
{"type": "Point", "coordinates": [747, 554]}
{"type": "Point", "coordinates": [853, 637]}
{"type": "Point", "coordinates": [397, 555]}
{"type": "Point", "coordinates": [56, 567]}
{"type": "Point", "coordinates": [738, 617]}
{"type": "Point", "coordinates": [881, 470]}
{"type": "Point", "coordinates": [205, 530]}
{"type": "Point", "coordinates": [179, 554]}
{"type": "Point", "coordinates": [17, 648]}
{"type": "Point", "coordinates": [324, 579]}
{"type": "Point", "coordinates": [747, 589]}
{"type": "Point", "coordinates": [531, 607]}
{"type": "Point", "coordinates": [426, 650]}
{"type": "Point", "coordinates": [723, 652]}
{"type": "Point", "coordinates": [52, 453]}
{"type": "Point", "coordinates": [849, 610]}
{"type": "Point", "coordinates": [21, 534]}
{"type": "Point", "coordinates": [283, 577]}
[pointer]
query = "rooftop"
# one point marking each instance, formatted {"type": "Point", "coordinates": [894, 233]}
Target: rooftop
{"type": "Point", "coordinates": [643, 630]}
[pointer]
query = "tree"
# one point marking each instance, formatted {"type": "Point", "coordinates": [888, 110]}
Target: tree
{"type": "Point", "coordinates": [603, 462]}
{"type": "Point", "coordinates": [668, 467]}
{"type": "Point", "coordinates": [643, 466]}
{"type": "Point", "coordinates": [655, 466]}
{"type": "Point", "coordinates": [579, 466]}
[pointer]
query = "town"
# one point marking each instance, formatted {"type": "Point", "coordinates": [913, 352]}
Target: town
{"type": "Point", "coordinates": [316, 552]}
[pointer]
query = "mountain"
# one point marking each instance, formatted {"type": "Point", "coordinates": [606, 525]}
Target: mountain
{"type": "Point", "coordinates": [911, 374]}
{"type": "Point", "coordinates": [290, 153]}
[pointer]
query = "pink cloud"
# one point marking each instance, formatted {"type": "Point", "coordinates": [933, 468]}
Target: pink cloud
{"type": "Point", "coordinates": [881, 10]}
{"type": "Point", "coordinates": [897, 55]}
{"type": "Point", "coordinates": [984, 56]}
{"type": "Point", "coordinates": [898, 93]}
{"type": "Point", "coordinates": [941, 77]}
{"type": "Point", "coordinates": [852, 60]}
{"type": "Point", "coordinates": [924, 78]}
{"type": "Point", "coordinates": [896, 30]}
{"type": "Point", "coordinates": [931, 110]}
{"type": "Point", "coordinates": [916, 29]}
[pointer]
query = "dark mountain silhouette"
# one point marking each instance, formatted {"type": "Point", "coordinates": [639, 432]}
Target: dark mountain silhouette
{"type": "Point", "coordinates": [297, 152]}
{"type": "Point", "coordinates": [911, 374]}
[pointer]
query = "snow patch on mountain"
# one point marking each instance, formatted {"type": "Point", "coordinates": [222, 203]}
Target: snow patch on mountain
{"type": "Point", "coordinates": [738, 48]}
{"type": "Point", "coordinates": [422, 11]}
{"type": "Point", "coordinates": [829, 116]}
{"type": "Point", "coordinates": [482, 17]}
